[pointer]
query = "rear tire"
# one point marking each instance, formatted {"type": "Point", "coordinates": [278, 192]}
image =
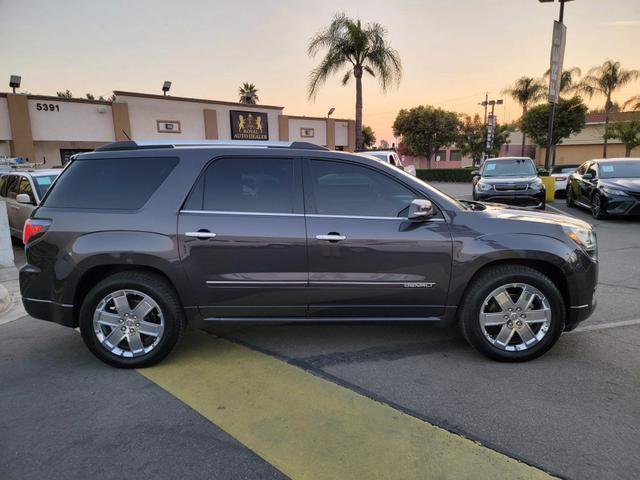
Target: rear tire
{"type": "Point", "coordinates": [131, 319]}
{"type": "Point", "coordinates": [485, 332]}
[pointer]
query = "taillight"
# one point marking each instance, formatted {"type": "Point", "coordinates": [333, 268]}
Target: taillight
{"type": "Point", "coordinates": [560, 179]}
{"type": "Point", "coordinates": [34, 226]}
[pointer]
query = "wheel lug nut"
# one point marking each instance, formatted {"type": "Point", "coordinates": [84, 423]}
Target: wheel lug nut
{"type": "Point", "coordinates": [137, 324]}
{"type": "Point", "coordinates": [523, 316]}
{"type": "Point", "coordinates": [131, 330]}
{"type": "Point", "coordinates": [506, 317]}
{"type": "Point", "coordinates": [124, 329]}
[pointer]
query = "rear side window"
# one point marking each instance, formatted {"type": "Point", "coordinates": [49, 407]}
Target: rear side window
{"type": "Point", "coordinates": [25, 187]}
{"type": "Point", "coordinates": [12, 186]}
{"type": "Point", "coordinates": [112, 184]}
{"type": "Point", "coordinates": [252, 185]}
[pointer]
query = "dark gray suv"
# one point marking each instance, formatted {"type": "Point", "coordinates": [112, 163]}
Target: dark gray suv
{"type": "Point", "coordinates": [135, 241]}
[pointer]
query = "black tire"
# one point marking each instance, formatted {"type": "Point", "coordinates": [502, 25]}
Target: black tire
{"type": "Point", "coordinates": [598, 210]}
{"type": "Point", "coordinates": [569, 199]}
{"type": "Point", "coordinates": [487, 282]}
{"type": "Point", "coordinates": [155, 287]}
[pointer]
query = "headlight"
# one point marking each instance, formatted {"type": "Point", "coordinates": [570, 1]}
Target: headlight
{"type": "Point", "coordinates": [483, 187]}
{"type": "Point", "coordinates": [613, 191]}
{"type": "Point", "coordinates": [583, 237]}
{"type": "Point", "coordinates": [536, 186]}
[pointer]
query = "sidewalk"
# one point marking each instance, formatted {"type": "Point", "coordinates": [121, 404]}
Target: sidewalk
{"type": "Point", "coordinates": [10, 302]}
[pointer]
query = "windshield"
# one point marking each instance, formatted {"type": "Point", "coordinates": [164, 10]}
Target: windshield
{"type": "Point", "coordinates": [516, 167]}
{"type": "Point", "coordinates": [42, 183]}
{"type": "Point", "coordinates": [570, 169]}
{"type": "Point", "coordinates": [621, 169]}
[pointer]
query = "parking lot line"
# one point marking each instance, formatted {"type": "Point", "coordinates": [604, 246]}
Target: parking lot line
{"type": "Point", "coordinates": [605, 326]}
{"type": "Point", "coordinates": [311, 428]}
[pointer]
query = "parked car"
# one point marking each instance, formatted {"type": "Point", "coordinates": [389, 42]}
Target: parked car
{"type": "Point", "coordinates": [137, 240]}
{"type": "Point", "coordinates": [22, 191]}
{"type": "Point", "coordinates": [606, 187]}
{"type": "Point", "coordinates": [390, 157]}
{"type": "Point", "coordinates": [561, 174]}
{"type": "Point", "coordinates": [509, 180]}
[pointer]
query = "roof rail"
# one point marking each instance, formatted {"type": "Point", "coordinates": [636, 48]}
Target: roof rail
{"type": "Point", "coordinates": [138, 145]}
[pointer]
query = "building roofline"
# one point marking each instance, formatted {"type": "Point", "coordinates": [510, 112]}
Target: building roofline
{"type": "Point", "coordinates": [304, 117]}
{"type": "Point", "coordinates": [195, 100]}
{"type": "Point", "coordinates": [55, 98]}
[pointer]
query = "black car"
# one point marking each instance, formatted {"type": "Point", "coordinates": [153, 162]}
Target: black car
{"type": "Point", "coordinates": [136, 240]}
{"type": "Point", "coordinates": [606, 187]}
{"type": "Point", "coordinates": [509, 180]}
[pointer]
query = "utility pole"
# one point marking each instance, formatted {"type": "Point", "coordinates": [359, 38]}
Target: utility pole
{"type": "Point", "coordinates": [490, 122]}
{"type": "Point", "coordinates": [557, 58]}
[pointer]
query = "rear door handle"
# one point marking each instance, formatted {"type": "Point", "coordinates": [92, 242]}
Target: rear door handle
{"type": "Point", "coordinates": [331, 237]}
{"type": "Point", "coordinates": [201, 234]}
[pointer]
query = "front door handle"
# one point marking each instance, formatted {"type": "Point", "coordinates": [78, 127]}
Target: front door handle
{"type": "Point", "coordinates": [331, 237]}
{"type": "Point", "coordinates": [201, 234]}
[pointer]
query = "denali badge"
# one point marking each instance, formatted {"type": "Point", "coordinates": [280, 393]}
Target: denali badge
{"type": "Point", "coordinates": [419, 285]}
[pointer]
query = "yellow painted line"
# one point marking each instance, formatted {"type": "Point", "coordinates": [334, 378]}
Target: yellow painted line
{"type": "Point", "coordinates": [310, 428]}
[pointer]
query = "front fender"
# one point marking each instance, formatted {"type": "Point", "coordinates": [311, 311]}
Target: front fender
{"type": "Point", "coordinates": [470, 255]}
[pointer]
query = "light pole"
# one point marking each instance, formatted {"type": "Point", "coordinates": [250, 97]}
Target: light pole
{"type": "Point", "coordinates": [331, 110]}
{"type": "Point", "coordinates": [490, 126]}
{"type": "Point", "coordinates": [14, 82]}
{"type": "Point", "coordinates": [555, 77]}
{"type": "Point", "coordinates": [165, 87]}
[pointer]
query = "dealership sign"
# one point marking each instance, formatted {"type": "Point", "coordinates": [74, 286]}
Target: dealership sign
{"type": "Point", "coordinates": [249, 125]}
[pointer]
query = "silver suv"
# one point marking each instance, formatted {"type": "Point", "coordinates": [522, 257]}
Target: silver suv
{"type": "Point", "coordinates": [22, 191]}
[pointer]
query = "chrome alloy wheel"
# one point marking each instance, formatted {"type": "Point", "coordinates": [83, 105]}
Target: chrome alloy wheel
{"type": "Point", "coordinates": [128, 323]}
{"type": "Point", "coordinates": [515, 317]}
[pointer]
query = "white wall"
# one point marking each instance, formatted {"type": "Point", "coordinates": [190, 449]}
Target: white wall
{"type": "Point", "coordinates": [342, 133]}
{"type": "Point", "coordinates": [144, 112]}
{"type": "Point", "coordinates": [5, 126]}
{"type": "Point", "coordinates": [71, 121]}
{"type": "Point", "coordinates": [319, 130]}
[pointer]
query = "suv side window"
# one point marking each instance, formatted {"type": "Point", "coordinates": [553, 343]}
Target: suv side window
{"type": "Point", "coordinates": [12, 186]}
{"type": "Point", "coordinates": [348, 189]}
{"type": "Point", "coordinates": [252, 185]}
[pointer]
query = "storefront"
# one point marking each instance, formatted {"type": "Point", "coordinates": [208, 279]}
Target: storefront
{"type": "Point", "coordinates": [48, 130]}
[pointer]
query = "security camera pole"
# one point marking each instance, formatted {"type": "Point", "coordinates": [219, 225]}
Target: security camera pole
{"type": "Point", "coordinates": [558, 43]}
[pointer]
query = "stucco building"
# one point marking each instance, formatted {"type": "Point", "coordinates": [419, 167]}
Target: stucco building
{"type": "Point", "coordinates": [48, 130]}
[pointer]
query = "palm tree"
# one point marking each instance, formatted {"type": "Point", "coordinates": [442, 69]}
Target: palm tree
{"type": "Point", "coordinates": [605, 80]}
{"type": "Point", "coordinates": [526, 91]}
{"type": "Point", "coordinates": [633, 103]}
{"type": "Point", "coordinates": [358, 48]}
{"type": "Point", "coordinates": [248, 93]}
{"type": "Point", "coordinates": [568, 79]}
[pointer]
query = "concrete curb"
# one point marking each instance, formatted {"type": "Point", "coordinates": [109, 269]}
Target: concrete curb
{"type": "Point", "coordinates": [10, 300]}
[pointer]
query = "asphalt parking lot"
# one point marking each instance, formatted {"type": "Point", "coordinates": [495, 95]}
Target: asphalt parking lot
{"type": "Point", "coordinates": [335, 401]}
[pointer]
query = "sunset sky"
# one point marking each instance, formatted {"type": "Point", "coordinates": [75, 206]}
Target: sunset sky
{"type": "Point", "coordinates": [452, 51]}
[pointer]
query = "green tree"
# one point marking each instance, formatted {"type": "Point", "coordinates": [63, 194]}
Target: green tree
{"type": "Point", "coordinates": [526, 91]}
{"type": "Point", "coordinates": [568, 79]}
{"type": "Point", "coordinates": [358, 48]}
{"type": "Point", "coordinates": [66, 94]}
{"type": "Point", "coordinates": [472, 138]}
{"type": "Point", "coordinates": [426, 129]}
{"type": "Point", "coordinates": [605, 80]}
{"type": "Point", "coordinates": [627, 132]}
{"type": "Point", "coordinates": [384, 145]}
{"type": "Point", "coordinates": [569, 119]}
{"type": "Point", "coordinates": [368, 137]}
{"type": "Point", "coordinates": [90, 96]}
{"type": "Point", "coordinates": [248, 94]}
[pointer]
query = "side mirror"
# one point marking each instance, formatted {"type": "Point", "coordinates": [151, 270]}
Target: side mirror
{"type": "Point", "coordinates": [421, 210]}
{"type": "Point", "coordinates": [587, 176]}
{"type": "Point", "coordinates": [24, 198]}
{"type": "Point", "coordinates": [475, 173]}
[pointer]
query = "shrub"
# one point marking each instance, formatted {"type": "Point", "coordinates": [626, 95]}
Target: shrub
{"type": "Point", "coordinates": [445, 174]}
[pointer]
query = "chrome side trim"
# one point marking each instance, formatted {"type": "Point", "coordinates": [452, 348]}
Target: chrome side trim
{"type": "Point", "coordinates": [220, 212]}
{"type": "Point", "coordinates": [65, 305]}
{"type": "Point", "coordinates": [586, 305]}
{"type": "Point", "coordinates": [257, 282]}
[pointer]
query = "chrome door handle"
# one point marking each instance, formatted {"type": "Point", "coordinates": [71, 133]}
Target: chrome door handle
{"type": "Point", "coordinates": [200, 234]}
{"type": "Point", "coordinates": [332, 237]}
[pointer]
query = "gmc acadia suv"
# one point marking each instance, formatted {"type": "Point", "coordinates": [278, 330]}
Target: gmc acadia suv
{"type": "Point", "coordinates": [135, 241]}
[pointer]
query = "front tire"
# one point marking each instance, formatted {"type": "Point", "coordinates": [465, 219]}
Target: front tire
{"type": "Point", "coordinates": [131, 319]}
{"type": "Point", "coordinates": [512, 313]}
{"type": "Point", "coordinates": [598, 210]}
